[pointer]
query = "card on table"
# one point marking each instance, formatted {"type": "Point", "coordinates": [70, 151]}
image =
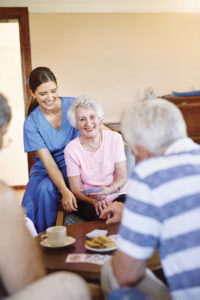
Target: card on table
{"type": "Point", "coordinates": [98, 259]}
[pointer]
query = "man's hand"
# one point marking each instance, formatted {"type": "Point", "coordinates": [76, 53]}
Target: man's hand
{"type": "Point", "coordinates": [113, 212]}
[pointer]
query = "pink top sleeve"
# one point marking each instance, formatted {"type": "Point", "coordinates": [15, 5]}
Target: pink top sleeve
{"type": "Point", "coordinates": [71, 154]}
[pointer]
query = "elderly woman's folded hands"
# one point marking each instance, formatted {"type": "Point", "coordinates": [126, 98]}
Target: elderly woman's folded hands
{"type": "Point", "coordinates": [100, 205]}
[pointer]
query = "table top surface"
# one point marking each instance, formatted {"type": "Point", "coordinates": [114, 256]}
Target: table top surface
{"type": "Point", "coordinates": [54, 258]}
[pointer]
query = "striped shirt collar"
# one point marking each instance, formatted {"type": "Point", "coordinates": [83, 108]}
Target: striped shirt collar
{"type": "Point", "coordinates": [181, 145]}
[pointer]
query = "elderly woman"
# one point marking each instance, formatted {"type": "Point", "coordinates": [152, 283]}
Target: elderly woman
{"type": "Point", "coordinates": [96, 162]}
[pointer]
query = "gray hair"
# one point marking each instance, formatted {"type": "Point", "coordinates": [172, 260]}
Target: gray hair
{"type": "Point", "coordinates": [5, 112]}
{"type": "Point", "coordinates": [85, 102]}
{"type": "Point", "coordinates": [154, 124]}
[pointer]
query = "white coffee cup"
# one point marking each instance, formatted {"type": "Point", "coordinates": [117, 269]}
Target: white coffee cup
{"type": "Point", "coordinates": [55, 235]}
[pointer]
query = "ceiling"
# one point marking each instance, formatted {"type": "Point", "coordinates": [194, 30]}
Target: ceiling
{"type": "Point", "coordinates": [103, 6]}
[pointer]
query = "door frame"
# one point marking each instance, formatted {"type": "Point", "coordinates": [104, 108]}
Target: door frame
{"type": "Point", "coordinates": [21, 14]}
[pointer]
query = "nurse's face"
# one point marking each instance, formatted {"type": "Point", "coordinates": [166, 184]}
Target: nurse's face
{"type": "Point", "coordinates": [46, 95]}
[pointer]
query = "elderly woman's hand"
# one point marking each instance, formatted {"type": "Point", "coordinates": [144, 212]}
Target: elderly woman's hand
{"type": "Point", "coordinates": [69, 202]}
{"type": "Point", "coordinates": [101, 204]}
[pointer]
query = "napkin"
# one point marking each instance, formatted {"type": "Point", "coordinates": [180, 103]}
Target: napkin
{"type": "Point", "coordinates": [96, 232]}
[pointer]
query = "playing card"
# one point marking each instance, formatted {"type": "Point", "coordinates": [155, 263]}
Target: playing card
{"type": "Point", "coordinates": [75, 258]}
{"type": "Point", "coordinates": [97, 259]}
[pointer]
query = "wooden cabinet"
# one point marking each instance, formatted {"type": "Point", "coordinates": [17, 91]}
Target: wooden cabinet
{"type": "Point", "coordinates": [190, 108]}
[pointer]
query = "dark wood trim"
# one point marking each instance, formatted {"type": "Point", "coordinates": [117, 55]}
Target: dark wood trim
{"type": "Point", "coordinates": [19, 187]}
{"type": "Point", "coordinates": [21, 14]}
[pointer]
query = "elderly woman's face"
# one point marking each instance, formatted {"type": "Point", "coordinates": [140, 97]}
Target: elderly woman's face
{"type": "Point", "coordinates": [87, 122]}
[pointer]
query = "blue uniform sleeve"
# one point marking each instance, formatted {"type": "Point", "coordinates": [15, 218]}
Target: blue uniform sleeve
{"type": "Point", "coordinates": [32, 138]}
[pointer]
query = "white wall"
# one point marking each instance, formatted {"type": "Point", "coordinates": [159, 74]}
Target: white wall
{"type": "Point", "coordinates": [13, 160]}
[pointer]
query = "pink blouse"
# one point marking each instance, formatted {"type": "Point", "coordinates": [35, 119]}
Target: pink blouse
{"type": "Point", "coordinates": [96, 169]}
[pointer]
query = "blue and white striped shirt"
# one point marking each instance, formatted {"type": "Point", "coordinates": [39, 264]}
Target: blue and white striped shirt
{"type": "Point", "coordinates": [163, 211]}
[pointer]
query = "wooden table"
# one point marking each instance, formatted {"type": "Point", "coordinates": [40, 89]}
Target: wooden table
{"type": "Point", "coordinates": [54, 259]}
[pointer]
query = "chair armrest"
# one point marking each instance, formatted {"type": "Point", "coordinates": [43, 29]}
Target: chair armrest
{"type": "Point", "coordinates": [60, 215]}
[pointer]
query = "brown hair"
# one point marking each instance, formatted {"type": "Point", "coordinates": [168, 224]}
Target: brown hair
{"type": "Point", "coordinates": [37, 77]}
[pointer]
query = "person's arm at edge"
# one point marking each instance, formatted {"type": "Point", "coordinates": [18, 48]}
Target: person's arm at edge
{"type": "Point", "coordinates": [20, 258]}
{"type": "Point", "coordinates": [68, 200]}
{"type": "Point", "coordinates": [127, 270]}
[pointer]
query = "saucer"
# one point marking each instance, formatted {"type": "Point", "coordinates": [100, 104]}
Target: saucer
{"type": "Point", "coordinates": [68, 241]}
{"type": "Point", "coordinates": [100, 250]}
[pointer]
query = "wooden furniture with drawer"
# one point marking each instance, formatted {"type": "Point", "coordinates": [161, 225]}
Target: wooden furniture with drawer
{"type": "Point", "coordinates": [190, 108]}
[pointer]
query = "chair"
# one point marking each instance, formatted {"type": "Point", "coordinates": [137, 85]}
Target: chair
{"type": "Point", "coordinates": [59, 219]}
{"type": "Point", "coordinates": [66, 218]}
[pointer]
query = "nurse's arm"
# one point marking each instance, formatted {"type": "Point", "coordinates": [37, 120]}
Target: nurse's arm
{"type": "Point", "coordinates": [68, 200]}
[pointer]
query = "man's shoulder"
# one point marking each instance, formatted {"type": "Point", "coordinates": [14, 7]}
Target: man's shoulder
{"type": "Point", "coordinates": [159, 169]}
{"type": "Point", "coordinates": [150, 165]}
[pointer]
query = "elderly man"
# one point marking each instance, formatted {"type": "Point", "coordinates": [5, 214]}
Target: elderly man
{"type": "Point", "coordinates": [22, 273]}
{"type": "Point", "coordinates": [162, 209]}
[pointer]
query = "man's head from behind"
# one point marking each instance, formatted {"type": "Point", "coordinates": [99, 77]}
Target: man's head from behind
{"type": "Point", "coordinates": [5, 116]}
{"type": "Point", "coordinates": [152, 126]}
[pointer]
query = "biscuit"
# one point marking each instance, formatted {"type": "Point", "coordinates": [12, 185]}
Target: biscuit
{"type": "Point", "coordinates": [92, 244]}
{"type": "Point", "coordinates": [110, 244]}
{"type": "Point", "coordinates": [101, 242]}
{"type": "Point", "coordinates": [103, 239]}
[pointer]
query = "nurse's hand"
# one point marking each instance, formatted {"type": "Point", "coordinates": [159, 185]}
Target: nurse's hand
{"type": "Point", "coordinates": [69, 202]}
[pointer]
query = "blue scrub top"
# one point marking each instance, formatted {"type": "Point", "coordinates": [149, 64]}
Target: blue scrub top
{"type": "Point", "coordinates": [39, 133]}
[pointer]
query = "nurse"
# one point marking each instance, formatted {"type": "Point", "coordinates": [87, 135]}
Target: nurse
{"type": "Point", "coordinates": [47, 132]}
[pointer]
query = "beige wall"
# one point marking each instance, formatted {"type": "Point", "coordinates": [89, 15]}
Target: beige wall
{"type": "Point", "coordinates": [116, 57]}
{"type": "Point", "coordinates": [13, 160]}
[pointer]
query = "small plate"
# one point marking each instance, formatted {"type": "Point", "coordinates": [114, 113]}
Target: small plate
{"type": "Point", "coordinates": [69, 241]}
{"type": "Point", "coordinates": [101, 250]}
